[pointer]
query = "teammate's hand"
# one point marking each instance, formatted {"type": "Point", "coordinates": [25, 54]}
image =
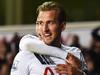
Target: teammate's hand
{"type": "Point", "coordinates": [74, 61]}
{"type": "Point", "coordinates": [72, 66]}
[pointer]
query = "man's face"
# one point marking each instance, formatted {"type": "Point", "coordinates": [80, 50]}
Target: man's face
{"type": "Point", "coordinates": [47, 26]}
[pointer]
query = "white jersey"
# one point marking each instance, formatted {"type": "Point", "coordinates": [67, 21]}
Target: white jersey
{"type": "Point", "coordinates": [28, 63]}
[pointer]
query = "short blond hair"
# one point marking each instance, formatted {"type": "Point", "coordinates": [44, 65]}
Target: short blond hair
{"type": "Point", "coordinates": [51, 5]}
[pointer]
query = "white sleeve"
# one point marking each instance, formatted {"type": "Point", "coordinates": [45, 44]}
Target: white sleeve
{"type": "Point", "coordinates": [36, 69]}
{"type": "Point", "coordinates": [33, 44]}
{"type": "Point", "coordinates": [17, 68]}
{"type": "Point", "coordinates": [83, 63]}
{"type": "Point", "coordinates": [25, 63]}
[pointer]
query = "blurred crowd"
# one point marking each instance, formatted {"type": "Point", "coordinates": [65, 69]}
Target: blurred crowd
{"type": "Point", "coordinates": [8, 51]}
{"type": "Point", "coordinates": [92, 53]}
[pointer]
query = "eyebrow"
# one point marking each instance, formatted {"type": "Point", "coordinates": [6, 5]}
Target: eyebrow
{"type": "Point", "coordinates": [39, 21]}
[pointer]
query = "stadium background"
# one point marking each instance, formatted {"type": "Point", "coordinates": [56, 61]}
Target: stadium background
{"type": "Point", "coordinates": [17, 18]}
{"type": "Point", "coordinates": [13, 12]}
{"type": "Point", "coordinates": [82, 29]}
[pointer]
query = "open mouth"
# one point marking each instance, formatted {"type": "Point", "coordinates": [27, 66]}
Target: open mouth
{"type": "Point", "coordinates": [44, 35]}
{"type": "Point", "coordinates": [47, 35]}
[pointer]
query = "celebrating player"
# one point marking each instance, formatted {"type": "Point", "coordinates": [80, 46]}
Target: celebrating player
{"type": "Point", "coordinates": [45, 55]}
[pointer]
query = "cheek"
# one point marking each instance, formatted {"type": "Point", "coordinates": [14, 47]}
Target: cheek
{"type": "Point", "coordinates": [38, 29]}
{"type": "Point", "coordinates": [53, 30]}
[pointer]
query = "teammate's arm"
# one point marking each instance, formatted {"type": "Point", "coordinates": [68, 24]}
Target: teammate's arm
{"type": "Point", "coordinates": [34, 45]}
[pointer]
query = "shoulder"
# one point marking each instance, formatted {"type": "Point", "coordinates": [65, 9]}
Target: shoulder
{"type": "Point", "coordinates": [29, 36]}
{"type": "Point", "coordinates": [22, 62]}
{"type": "Point", "coordinates": [26, 41]}
{"type": "Point", "coordinates": [74, 50]}
{"type": "Point", "coordinates": [24, 57]}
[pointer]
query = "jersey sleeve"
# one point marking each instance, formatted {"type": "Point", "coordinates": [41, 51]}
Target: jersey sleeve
{"type": "Point", "coordinates": [81, 58]}
{"type": "Point", "coordinates": [25, 63]}
{"type": "Point", "coordinates": [83, 63]}
{"type": "Point", "coordinates": [33, 44]}
{"type": "Point", "coordinates": [77, 53]}
{"type": "Point", "coordinates": [19, 68]}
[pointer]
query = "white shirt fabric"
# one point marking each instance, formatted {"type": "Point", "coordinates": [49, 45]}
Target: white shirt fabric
{"type": "Point", "coordinates": [28, 63]}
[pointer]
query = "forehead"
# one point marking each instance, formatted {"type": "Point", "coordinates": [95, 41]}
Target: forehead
{"type": "Point", "coordinates": [50, 14]}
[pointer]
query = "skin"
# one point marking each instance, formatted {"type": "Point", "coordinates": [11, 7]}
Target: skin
{"type": "Point", "coordinates": [49, 30]}
{"type": "Point", "coordinates": [72, 66]}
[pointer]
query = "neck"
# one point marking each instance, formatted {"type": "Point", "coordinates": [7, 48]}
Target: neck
{"type": "Point", "coordinates": [56, 43]}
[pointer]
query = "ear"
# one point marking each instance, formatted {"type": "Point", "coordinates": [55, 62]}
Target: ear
{"type": "Point", "coordinates": [63, 26]}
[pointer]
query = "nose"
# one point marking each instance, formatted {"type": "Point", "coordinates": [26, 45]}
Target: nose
{"type": "Point", "coordinates": [45, 28]}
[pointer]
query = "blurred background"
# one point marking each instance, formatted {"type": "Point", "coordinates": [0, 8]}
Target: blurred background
{"type": "Point", "coordinates": [17, 18]}
{"type": "Point", "coordinates": [13, 12]}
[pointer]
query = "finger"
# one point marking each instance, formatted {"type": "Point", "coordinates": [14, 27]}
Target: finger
{"type": "Point", "coordinates": [72, 58]}
{"type": "Point", "coordinates": [74, 61]}
{"type": "Point", "coordinates": [68, 64]}
{"type": "Point", "coordinates": [70, 55]}
{"type": "Point", "coordinates": [61, 67]}
{"type": "Point", "coordinates": [61, 72]}
{"type": "Point", "coordinates": [66, 71]}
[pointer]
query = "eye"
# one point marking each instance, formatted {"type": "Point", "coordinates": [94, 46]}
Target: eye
{"type": "Point", "coordinates": [39, 23]}
{"type": "Point", "coordinates": [51, 22]}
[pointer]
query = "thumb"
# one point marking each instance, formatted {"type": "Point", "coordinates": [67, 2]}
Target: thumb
{"type": "Point", "coordinates": [74, 61]}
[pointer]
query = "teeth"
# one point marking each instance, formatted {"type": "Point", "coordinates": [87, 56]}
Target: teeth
{"type": "Point", "coordinates": [47, 34]}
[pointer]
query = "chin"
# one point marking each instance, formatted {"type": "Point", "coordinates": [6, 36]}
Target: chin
{"type": "Point", "coordinates": [47, 42]}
